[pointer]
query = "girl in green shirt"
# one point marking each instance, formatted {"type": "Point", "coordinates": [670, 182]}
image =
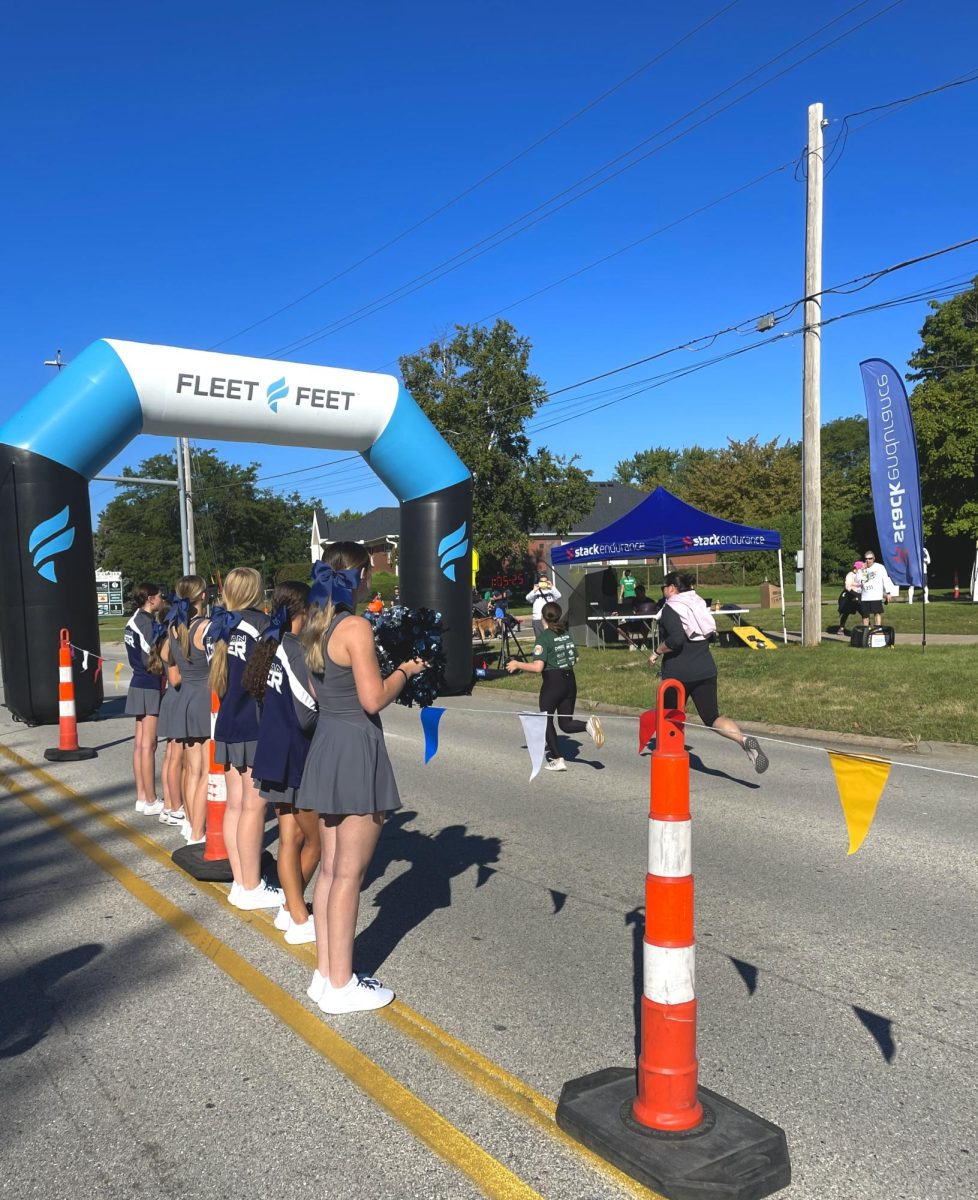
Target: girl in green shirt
{"type": "Point", "coordinates": [554, 656]}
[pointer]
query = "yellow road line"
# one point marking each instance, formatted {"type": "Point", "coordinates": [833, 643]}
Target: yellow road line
{"type": "Point", "coordinates": [507, 1089]}
{"type": "Point", "coordinates": [427, 1125]}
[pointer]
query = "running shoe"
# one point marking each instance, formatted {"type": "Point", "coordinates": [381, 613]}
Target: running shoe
{"type": "Point", "coordinates": [555, 764]}
{"type": "Point", "coordinates": [172, 816]}
{"type": "Point", "coordinates": [756, 754]}
{"type": "Point", "coordinates": [315, 989]}
{"type": "Point", "coordinates": [152, 809]}
{"type": "Point", "coordinates": [283, 919]}
{"type": "Point", "coordinates": [595, 731]}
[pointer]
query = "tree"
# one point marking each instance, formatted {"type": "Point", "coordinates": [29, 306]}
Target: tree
{"type": "Point", "coordinates": [944, 405]}
{"type": "Point", "coordinates": [845, 464]}
{"type": "Point", "coordinates": [478, 390]}
{"type": "Point", "coordinates": [237, 522]}
{"type": "Point", "coordinates": [660, 466]}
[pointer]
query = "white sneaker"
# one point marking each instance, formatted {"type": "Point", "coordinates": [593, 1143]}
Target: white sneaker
{"type": "Point", "coordinates": [298, 935]}
{"type": "Point", "coordinates": [196, 841]}
{"type": "Point", "coordinates": [360, 995]}
{"type": "Point", "coordinates": [153, 808]}
{"type": "Point", "coordinates": [234, 895]}
{"type": "Point", "coordinates": [595, 731]}
{"type": "Point", "coordinates": [140, 806]}
{"type": "Point", "coordinates": [555, 764]}
{"type": "Point", "coordinates": [282, 920]}
{"type": "Point", "coordinates": [315, 989]}
{"type": "Point", "coordinates": [172, 816]}
{"type": "Point", "coordinates": [261, 896]}
{"type": "Point", "coordinates": [186, 829]}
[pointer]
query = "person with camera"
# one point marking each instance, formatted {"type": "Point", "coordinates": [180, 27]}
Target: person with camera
{"type": "Point", "coordinates": [543, 592]}
{"type": "Point", "coordinates": [554, 656]}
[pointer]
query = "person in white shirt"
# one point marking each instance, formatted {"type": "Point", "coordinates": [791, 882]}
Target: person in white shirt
{"type": "Point", "coordinates": [850, 594]}
{"type": "Point", "coordinates": [543, 593]}
{"type": "Point", "coordinates": [877, 589]}
{"type": "Point", "coordinates": [910, 589]}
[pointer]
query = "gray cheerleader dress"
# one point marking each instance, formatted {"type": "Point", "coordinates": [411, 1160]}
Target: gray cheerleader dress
{"type": "Point", "coordinates": [347, 769]}
{"type": "Point", "coordinates": [186, 710]}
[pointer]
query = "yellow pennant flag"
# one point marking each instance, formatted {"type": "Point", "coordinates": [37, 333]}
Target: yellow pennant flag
{"type": "Point", "coordinates": [118, 672]}
{"type": "Point", "coordinates": [860, 781]}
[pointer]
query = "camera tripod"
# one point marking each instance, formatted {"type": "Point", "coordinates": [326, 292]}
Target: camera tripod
{"type": "Point", "coordinates": [509, 644]}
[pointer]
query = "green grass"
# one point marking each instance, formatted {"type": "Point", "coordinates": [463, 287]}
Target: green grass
{"type": "Point", "coordinates": [905, 693]}
{"type": "Point", "coordinates": [110, 628]}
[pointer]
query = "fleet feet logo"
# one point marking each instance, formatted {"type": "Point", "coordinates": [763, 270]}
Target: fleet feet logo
{"type": "Point", "coordinates": [53, 536]}
{"type": "Point", "coordinates": [451, 549]}
{"type": "Point", "coordinates": [276, 391]}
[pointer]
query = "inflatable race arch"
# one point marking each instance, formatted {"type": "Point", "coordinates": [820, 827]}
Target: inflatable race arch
{"type": "Point", "coordinates": [114, 390]}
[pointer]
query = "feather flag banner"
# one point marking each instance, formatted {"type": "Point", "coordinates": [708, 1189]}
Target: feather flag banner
{"type": "Point", "coordinates": [860, 781]}
{"type": "Point", "coordinates": [535, 731]}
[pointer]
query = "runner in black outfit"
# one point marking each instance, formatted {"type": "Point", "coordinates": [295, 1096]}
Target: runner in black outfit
{"type": "Point", "coordinates": [686, 657]}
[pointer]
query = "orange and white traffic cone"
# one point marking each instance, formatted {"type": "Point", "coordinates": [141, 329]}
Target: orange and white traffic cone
{"type": "Point", "coordinates": [217, 797]}
{"type": "Point", "coordinates": [667, 1064]}
{"type": "Point", "coordinates": [675, 1137]}
{"type": "Point", "coordinates": [68, 749]}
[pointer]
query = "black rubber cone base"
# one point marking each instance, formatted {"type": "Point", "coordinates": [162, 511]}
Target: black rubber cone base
{"type": "Point", "coordinates": [69, 755]}
{"type": "Point", "coordinates": [191, 859]}
{"type": "Point", "coordinates": [731, 1155]}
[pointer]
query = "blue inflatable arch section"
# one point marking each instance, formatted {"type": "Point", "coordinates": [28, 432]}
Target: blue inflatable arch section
{"type": "Point", "coordinates": [114, 390]}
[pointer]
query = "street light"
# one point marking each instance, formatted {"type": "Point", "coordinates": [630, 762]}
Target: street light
{"type": "Point", "coordinates": [55, 362]}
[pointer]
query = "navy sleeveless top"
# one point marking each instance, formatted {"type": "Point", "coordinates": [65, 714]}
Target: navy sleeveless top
{"type": "Point", "coordinates": [288, 717]}
{"type": "Point", "coordinates": [237, 719]}
{"type": "Point", "coordinates": [138, 638]}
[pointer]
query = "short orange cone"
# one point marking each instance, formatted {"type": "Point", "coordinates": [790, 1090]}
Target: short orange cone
{"type": "Point", "coordinates": [68, 749]}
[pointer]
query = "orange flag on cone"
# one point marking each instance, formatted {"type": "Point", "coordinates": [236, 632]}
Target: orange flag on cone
{"type": "Point", "coordinates": [860, 781]}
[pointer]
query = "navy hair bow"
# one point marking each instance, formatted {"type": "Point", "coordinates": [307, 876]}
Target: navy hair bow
{"type": "Point", "coordinates": [278, 623]}
{"type": "Point", "coordinates": [330, 585]}
{"type": "Point", "coordinates": [158, 631]}
{"type": "Point", "coordinates": [179, 613]}
{"type": "Point", "coordinates": [222, 623]}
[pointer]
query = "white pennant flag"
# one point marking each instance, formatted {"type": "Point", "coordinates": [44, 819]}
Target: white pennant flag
{"type": "Point", "coordinates": [535, 731]}
{"type": "Point", "coordinates": [84, 660]}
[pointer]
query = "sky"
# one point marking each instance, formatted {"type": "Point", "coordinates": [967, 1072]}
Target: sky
{"type": "Point", "coordinates": [229, 176]}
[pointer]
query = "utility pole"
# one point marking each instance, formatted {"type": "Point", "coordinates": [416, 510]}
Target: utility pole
{"type": "Point", "coordinates": [189, 509]}
{"type": "Point", "coordinates": [811, 433]}
{"type": "Point", "coordinates": [182, 507]}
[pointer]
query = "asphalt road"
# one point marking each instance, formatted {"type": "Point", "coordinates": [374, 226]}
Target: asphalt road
{"type": "Point", "coordinates": [154, 1042]}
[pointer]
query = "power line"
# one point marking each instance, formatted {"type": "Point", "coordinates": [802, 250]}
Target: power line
{"type": "Point", "coordinates": [487, 177]}
{"type": "Point", "coordinates": [480, 247]}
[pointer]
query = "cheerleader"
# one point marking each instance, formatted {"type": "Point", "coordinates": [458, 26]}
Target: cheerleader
{"type": "Point", "coordinates": [172, 771]}
{"type": "Point", "coordinates": [234, 632]}
{"type": "Point", "coordinates": [277, 676]}
{"type": "Point", "coordinates": [143, 699]}
{"type": "Point", "coordinates": [189, 716]}
{"type": "Point", "coordinates": [348, 777]}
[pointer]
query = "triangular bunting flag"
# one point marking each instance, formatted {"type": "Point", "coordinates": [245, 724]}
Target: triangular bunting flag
{"type": "Point", "coordinates": [98, 668]}
{"type": "Point", "coordinates": [535, 731]}
{"type": "Point", "coordinates": [84, 660]}
{"type": "Point", "coordinates": [646, 729]}
{"type": "Point", "coordinates": [429, 723]}
{"type": "Point", "coordinates": [860, 781]}
{"type": "Point", "coordinates": [118, 672]}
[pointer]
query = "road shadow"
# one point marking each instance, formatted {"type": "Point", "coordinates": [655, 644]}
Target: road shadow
{"type": "Point", "coordinates": [698, 765]}
{"type": "Point", "coordinates": [29, 1010]}
{"type": "Point", "coordinates": [426, 886]}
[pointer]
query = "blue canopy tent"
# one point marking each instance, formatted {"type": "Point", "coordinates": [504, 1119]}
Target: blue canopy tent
{"type": "Point", "coordinates": [662, 524]}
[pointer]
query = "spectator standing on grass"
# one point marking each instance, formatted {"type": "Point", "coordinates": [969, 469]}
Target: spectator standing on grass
{"type": "Point", "coordinates": [850, 595]}
{"type": "Point", "coordinates": [626, 590]}
{"type": "Point", "coordinates": [685, 626]}
{"type": "Point", "coordinates": [877, 588]}
{"type": "Point", "coordinates": [543, 592]}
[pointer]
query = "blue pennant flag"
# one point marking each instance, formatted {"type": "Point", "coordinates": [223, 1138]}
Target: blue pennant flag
{"type": "Point", "coordinates": [430, 717]}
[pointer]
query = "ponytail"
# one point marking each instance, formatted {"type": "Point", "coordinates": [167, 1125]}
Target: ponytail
{"type": "Point", "coordinates": [242, 589]}
{"type": "Point", "coordinates": [553, 615]}
{"type": "Point", "coordinates": [290, 596]}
